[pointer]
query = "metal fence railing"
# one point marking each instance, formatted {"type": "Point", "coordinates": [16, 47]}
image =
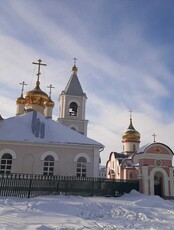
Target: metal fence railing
{"type": "Point", "coordinates": [25, 185]}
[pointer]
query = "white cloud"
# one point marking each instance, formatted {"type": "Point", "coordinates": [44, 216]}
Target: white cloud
{"type": "Point", "coordinates": [127, 72]}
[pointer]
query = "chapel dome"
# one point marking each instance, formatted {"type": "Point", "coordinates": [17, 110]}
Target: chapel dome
{"type": "Point", "coordinates": [49, 103]}
{"type": "Point", "coordinates": [20, 100]}
{"type": "Point", "coordinates": [131, 134]}
{"type": "Point", "coordinates": [36, 96]}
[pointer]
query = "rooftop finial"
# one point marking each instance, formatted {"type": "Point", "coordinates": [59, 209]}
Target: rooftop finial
{"type": "Point", "coordinates": [39, 63]}
{"type": "Point", "coordinates": [74, 68]}
{"type": "Point", "coordinates": [22, 90]}
{"type": "Point", "coordinates": [154, 136]}
{"type": "Point", "coordinates": [130, 111]}
{"type": "Point", "coordinates": [50, 87]}
{"type": "Point", "coordinates": [75, 59]}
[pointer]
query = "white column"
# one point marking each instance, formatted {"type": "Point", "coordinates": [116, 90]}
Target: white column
{"type": "Point", "coordinates": [145, 180]}
{"type": "Point", "coordinates": [96, 162]}
{"type": "Point", "coordinates": [171, 179]}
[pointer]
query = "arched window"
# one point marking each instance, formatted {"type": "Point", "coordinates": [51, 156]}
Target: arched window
{"type": "Point", "coordinates": [73, 108]}
{"type": "Point", "coordinates": [81, 167]}
{"type": "Point", "coordinates": [6, 163]}
{"type": "Point", "coordinates": [48, 166]}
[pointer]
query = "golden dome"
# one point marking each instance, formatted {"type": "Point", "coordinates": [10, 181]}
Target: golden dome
{"type": "Point", "coordinates": [74, 69]}
{"type": "Point", "coordinates": [36, 96]}
{"type": "Point", "coordinates": [49, 103]}
{"type": "Point", "coordinates": [131, 134]}
{"type": "Point", "coordinates": [20, 100]}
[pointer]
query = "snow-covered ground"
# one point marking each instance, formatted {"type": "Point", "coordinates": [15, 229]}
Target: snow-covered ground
{"type": "Point", "coordinates": [131, 211]}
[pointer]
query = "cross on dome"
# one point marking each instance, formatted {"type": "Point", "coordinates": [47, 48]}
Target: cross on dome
{"type": "Point", "coordinates": [130, 111]}
{"type": "Point", "coordinates": [50, 87]}
{"type": "Point", "coordinates": [154, 136]}
{"type": "Point", "coordinates": [39, 63]}
{"type": "Point", "coordinates": [75, 59]}
{"type": "Point", "coordinates": [22, 90]}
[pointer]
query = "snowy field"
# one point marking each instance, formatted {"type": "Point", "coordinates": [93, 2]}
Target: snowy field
{"type": "Point", "coordinates": [131, 211]}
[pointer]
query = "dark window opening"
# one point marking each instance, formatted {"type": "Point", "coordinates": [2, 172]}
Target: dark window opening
{"type": "Point", "coordinates": [73, 108]}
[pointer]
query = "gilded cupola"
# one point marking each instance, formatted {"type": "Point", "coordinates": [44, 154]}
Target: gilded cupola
{"type": "Point", "coordinates": [130, 138]}
{"type": "Point", "coordinates": [21, 99]}
{"type": "Point", "coordinates": [131, 134]}
{"type": "Point", "coordinates": [36, 96]}
{"type": "Point", "coordinates": [35, 99]}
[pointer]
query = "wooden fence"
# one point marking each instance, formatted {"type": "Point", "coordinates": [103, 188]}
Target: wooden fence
{"type": "Point", "coordinates": [22, 185]}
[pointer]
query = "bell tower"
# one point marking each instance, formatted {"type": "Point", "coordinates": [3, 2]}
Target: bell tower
{"type": "Point", "coordinates": [72, 104]}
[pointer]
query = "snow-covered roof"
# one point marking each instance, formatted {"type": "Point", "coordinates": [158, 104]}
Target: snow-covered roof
{"type": "Point", "coordinates": [35, 127]}
{"type": "Point", "coordinates": [141, 149]}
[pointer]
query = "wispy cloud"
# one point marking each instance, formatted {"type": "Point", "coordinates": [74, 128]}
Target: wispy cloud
{"type": "Point", "coordinates": [119, 67]}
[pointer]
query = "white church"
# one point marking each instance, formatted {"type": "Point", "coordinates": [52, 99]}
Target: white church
{"type": "Point", "coordinates": [32, 142]}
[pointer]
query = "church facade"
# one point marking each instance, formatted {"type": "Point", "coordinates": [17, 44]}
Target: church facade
{"type": "Point", "coordinates": [33, 143]}
{"type": "Point", "coordinates": [150, 164]}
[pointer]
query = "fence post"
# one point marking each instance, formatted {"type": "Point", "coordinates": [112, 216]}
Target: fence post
{"type": "Point", "coordinates": [92, 190]}
{"type": "Point", "coordinates": [29, 189]}
{"type": "Point", "coordinates": [57, 187]}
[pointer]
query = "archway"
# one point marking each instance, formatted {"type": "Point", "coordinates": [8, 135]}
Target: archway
{"type": "Point", "coordinates": [158, 184]}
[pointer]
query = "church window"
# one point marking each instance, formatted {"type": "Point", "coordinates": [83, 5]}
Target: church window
{"type": "Point", "coordinates": [6, 163]}
{"type": "Point", "coordinates": [73, 108]}
{"type": "Point", "coordinates": [48, 169]}
{"type": "Point", "coordinates": [81, 167]}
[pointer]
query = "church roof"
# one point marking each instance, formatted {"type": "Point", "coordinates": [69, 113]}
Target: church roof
{"type": "Point", "coordinates": [34, 127]}
{"type": "Point", "coordinates": [120, 157]}
{"type": "Point", "coordinates": [73, 86]}
{"type": "Point", "coordinates": [145, 147]}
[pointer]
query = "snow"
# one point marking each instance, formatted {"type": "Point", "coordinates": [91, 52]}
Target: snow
{"type": "Point", "coordinates": [55, 133]}
{"type": "Point", "coordinates": [131, 211]}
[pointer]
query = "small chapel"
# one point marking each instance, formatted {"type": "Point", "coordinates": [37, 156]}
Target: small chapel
{"type": "Point", "coordinates": [32, 142]}
{"type": "Point", "coordinates": [151, 164]}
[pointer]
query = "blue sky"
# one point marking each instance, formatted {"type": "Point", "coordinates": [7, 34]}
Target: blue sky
{"type": "Point", "coordinates": [125, 52]}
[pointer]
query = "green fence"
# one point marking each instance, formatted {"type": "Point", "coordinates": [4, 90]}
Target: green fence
{"type": "Point", "coordinates": [23, 185]}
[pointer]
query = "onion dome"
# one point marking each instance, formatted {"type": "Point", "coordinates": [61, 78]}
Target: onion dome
{"type": "Point", "coordinates": [20, 100]}
{"type": "Point", "coordinates": [131, 135]}
{"type": "Point", "coordinates": [49, 103]}
{"type": "Point", "coordinates": [74, 69]}
{"type": "Point", "coordinates": [36, 96]}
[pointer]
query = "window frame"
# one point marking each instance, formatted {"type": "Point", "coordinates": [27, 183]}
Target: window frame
{"type": "Point", "coordinates": [6, 164]}
{"type": "Point", "coordinates": [48, 165]}
{"type": "Point", "coordinates": [81, 167]}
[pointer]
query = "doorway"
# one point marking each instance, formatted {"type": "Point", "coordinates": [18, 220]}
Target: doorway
{"type": "Point", "coordinates": [158, 184]}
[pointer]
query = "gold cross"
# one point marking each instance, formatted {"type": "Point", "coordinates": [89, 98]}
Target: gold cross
{"type": "Point", "coordinates": [154, 135]}
{"type": "Point", "coordinates": [39, 63]}
{"type": "Point", "coordinates": [157, 149]}
{"type": "Point", "coordinates": [50, 87]}
{"type": "Point", "coordinates": [22, 90]}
